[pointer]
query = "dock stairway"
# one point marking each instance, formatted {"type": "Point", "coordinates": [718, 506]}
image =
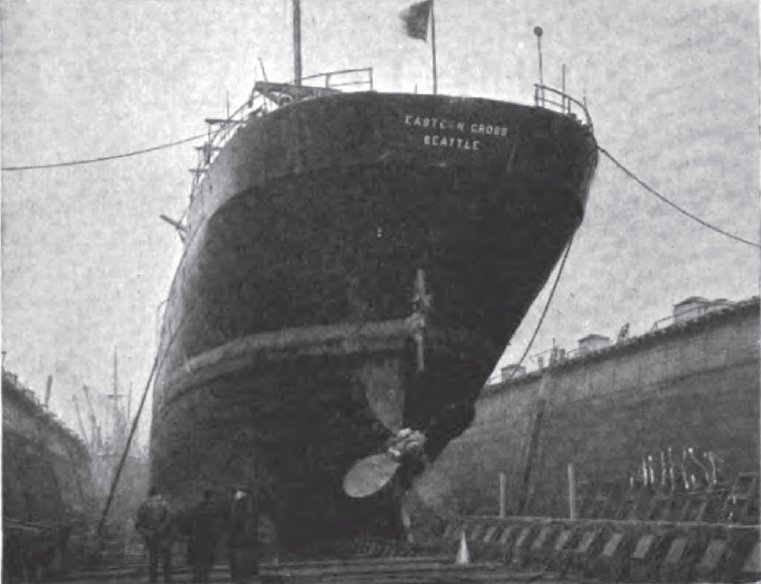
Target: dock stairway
{"type": "Point", "coordinates": [741, 505]}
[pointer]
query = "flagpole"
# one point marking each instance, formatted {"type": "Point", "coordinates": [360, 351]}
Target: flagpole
{"type": "Point", "coordinates": [433, 47]}
{"type": "Point", "coordinates": [297, 42]}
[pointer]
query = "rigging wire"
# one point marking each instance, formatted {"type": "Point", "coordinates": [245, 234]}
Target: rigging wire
{"type": "Point", "coordinates": [546, 308]}
{"type": "Point", "coordinates": [111, 157]}
{"type": "Point", "coordinates": [652, 191]}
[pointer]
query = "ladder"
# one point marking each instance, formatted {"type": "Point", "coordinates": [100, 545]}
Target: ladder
{"type": "Point", "coordinates": [741, 505]}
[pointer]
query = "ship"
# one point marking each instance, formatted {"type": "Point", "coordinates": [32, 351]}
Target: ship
{"type": "Point", "coordinates": [354, 264]}
{"type": "Point", "coordinates": [47, 487]}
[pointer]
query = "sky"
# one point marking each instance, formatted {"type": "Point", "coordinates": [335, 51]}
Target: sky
{"type": "Point", "coordinates": [672, 87]}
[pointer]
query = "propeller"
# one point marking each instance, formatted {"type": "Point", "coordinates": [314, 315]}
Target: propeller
{"type": "Point", "coordinates": [370, 474]}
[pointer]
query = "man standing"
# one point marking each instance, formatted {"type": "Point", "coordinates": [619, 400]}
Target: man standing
{"type": "Point", "coordinates": [154, 523]}
{"type": "Point", "coordinates": [203, 539]}
{"type": "Point", "coordinates": [242, 537]}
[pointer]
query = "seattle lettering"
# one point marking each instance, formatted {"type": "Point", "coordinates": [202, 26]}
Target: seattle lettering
{"type": "Point", "coordinates": [451, 142]}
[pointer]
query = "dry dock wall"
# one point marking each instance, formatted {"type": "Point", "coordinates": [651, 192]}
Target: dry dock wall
{"type": "Point", "coordinates": [695, 384]}
{"type": "Point", "coordinates": [45, 466]}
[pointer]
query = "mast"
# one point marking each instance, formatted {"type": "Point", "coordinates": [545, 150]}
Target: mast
{"type": "Point", "coordinates": [93, 424]}
{"type": "Point", "coordinates": [297, 42]}
{"type": "Point", "coordinates": [81, 425]}
{"type": "Point", "coordinates": [115, 436]}
{"type": "Point", "coordinates": [129, 403]}
{"type": "Point", "coordinates": [116, 432]}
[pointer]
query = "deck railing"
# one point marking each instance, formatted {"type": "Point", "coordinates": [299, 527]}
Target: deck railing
{"type": "Point", "coordinates": [359, 78]}
{"type": "Point", "coordinates": [557, 100]}
{"type": "Point", "coordinates": [690, 314]}
{"type": "Point", "coordinates": [220, 130]}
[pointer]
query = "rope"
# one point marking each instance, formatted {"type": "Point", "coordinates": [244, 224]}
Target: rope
{"type": "Point", "coordinates": [652, 191]}
{"type": "Point", "coordinates": [105, 158]}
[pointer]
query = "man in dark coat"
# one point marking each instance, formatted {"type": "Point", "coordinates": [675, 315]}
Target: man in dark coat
{"type": "Point", "coordinates": [242, 537]}
{"type": "Point", "coordinates": [154, 523]}
{"type": "Point", "coordinates": [203, 538]}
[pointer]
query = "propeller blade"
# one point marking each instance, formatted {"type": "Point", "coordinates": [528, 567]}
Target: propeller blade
{"type": "Point", "coordinates": [386, 401]}
{"type": "Point", "coordinates": [369, 475]}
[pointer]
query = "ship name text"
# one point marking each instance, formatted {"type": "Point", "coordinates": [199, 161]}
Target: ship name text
{"type": "Point", "coordinates": [470, 129]}
{"type": "Point", "coordinates": [451, 141]}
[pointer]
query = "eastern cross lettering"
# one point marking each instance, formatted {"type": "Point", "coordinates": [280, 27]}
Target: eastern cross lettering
{"type": "Point", "coordinates": [456, 125]}
{"type": "Point", "coordinates": [435, 123]}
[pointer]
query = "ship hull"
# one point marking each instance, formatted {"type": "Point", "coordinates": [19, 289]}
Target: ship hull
{"type": "Point", "coordinates": [287, 351]}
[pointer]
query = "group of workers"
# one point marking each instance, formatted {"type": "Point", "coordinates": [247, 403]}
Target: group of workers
{"type": "Point", "coordinates": [205, 527]}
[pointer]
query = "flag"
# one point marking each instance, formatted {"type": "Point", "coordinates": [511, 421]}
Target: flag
{"type": "Point", "coordinates": [416, 18]}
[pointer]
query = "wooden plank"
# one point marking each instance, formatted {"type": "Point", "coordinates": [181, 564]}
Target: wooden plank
{"type": "Point", "coordinates": [223, 121]}
{"type": "Point", "coordinates": [643, 546]}
{"type": "Point", "coordinates": [612, 545]}
{"type": "Point", "coordinates": [712, 556]}
{"type": "Point", "coordinates": [676, 550]}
